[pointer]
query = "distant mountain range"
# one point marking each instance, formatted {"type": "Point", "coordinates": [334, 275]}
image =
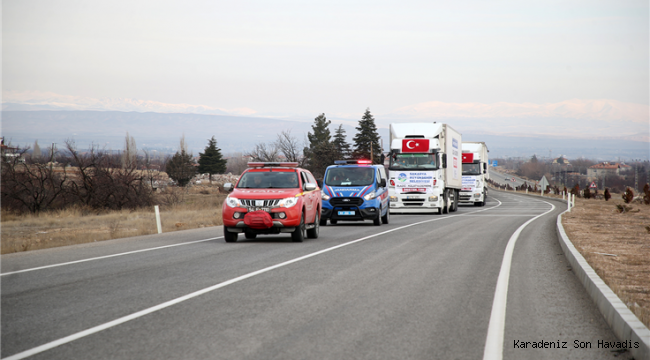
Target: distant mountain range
{"type": "Point", "coordinates": [162, 131]}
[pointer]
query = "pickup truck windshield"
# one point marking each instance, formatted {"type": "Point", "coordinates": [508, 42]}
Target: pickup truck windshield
{"type": "Point", "coordinates": [413, 162]}
{"type": "Point", "coordinates": [350, 176]}
{"type": "Point", "coordinates": [268, 180]}
{"type": "Point", "coordinates": [471, 169]}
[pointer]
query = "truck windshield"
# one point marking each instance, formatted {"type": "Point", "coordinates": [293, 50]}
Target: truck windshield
{"type": "Point", "coordinates": [471, 169]}
{"type": "Point", "coordinates": [413, 162]}
{"type": "Point", "coordinates": [350, 176]}
{"type": "Point", "coordinates": [268, 180]}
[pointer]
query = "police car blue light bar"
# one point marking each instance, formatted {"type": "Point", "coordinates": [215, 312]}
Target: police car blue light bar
{"type": "Point", "coordinates": [350, 162]}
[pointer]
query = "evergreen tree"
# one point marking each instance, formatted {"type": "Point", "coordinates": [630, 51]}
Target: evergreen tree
{"type": "Point", "coordinates": [211, 161]}
{"type": "Point", "coordinates": [321, 131]}
{"type": "Point", "coordinates": [342, 147]}
{"type": "Point", "coordinates": [181, 167]}
{"type": "Point", "coordinates": [321, 152]}
{"type": "Point", "coordinates": [367, 138]}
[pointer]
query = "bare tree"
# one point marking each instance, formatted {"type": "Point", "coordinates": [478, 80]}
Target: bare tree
{"type": "Point", "coordinates": [129, 156]}
{"type": "Point", "coordinates": [237, 163]}
{"type": "Point", "coordinates": [262, 152]}
{"type": "Point", "coordinates": [290, 147]}
{"type": "Point", "coordinates": [31, 187]}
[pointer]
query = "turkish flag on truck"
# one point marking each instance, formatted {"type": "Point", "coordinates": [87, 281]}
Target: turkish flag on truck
{"type": "Point", "coordinates": [415, 145]}
{"type": "Point", "coordinates": [468, 158]}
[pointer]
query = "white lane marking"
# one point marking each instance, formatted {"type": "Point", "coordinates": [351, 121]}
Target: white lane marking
{"type": "Point", "coordinates": [107, 256]}
{"type": "Point", "coordinates": [152, 309]}
{"type": "Point", "coordinates": [494, 341]}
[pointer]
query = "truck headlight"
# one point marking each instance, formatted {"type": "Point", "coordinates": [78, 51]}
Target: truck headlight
{"type": "Point", "coordinates": [370, 196]}
{"type": "Point", "coordinates": [288, 202]}
{"type": "Point", "coordinates": [393, 199]}
{"type": "Point", "coordinates": [232, 202]}
{"type": "Point", "coordinates": [433, 198]}
{"type": "Point", "coordinates": [324, 196]}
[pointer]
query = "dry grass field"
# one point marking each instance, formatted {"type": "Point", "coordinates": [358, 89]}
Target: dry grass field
{"type": "Point", "coordinates": [182, 209]}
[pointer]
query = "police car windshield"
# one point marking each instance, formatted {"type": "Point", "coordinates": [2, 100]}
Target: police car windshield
{"type": "Point", "coordinates": [413, 162]}
{"type": "Point", "coordinates": [350, 176]}
{"type": "Point", "coordinates": [471, 169]}
{"type": "Point", "coordinates": [268, 180]}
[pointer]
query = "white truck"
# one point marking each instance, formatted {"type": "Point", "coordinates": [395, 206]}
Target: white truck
{"type": "Point", "coordinates": [425, 168]}
{"type": "Point", "coordinates": [475, 173]}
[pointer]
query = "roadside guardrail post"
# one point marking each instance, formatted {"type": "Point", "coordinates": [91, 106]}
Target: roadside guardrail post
{"type": "Point", "coordinates": [158, 219]}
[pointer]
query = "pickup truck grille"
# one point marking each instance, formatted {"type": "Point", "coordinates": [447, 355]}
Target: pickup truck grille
{"type": "Point", "coordinates": [346, 201]}
{"type": "Point", "coordinates": [264, 203]}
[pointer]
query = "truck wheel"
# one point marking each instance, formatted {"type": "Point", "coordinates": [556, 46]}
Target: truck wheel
{"type": "Point", "coordinates": [445, 200]}
{"type": "Point", "coordinates": [229, 236]}
{"type": "Point", "coordinates": [250, 235]}
{"type": "Point", "coordinates": [313, 232]}
{"type": "Point", "coordinates": [298, 235]}
{"type": "Point", "coordinates": [454, 203]}
{"type": "Point", "coordinates": [386, 217]}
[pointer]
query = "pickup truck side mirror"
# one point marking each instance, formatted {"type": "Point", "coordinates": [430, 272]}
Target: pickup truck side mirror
{"type": "Point", "coordinates": [382, 183]}
{"type": "Point", "coordinates": [228, 187]}
{"type": "Point", "coordinates": [310, 187]}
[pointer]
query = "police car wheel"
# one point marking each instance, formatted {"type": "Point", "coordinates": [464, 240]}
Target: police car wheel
{"type": "Point", "coordinates": [386, 217]}
{"type": "Point", "coordinates": [377, 220]}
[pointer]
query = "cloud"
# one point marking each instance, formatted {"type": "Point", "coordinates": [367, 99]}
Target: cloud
{"type": "Point", "coordinates": [604, 110]}
{"type": "Point", "coordinates": [40, 99]}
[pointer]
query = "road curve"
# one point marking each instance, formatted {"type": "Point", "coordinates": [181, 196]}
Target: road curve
{"type": "Point", "coordinates": [421, 287]}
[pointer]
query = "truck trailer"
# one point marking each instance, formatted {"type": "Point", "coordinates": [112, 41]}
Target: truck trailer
{"type": "Point", "coordinates": [425, 168]}
{"type": "Point", "coordinates": [475, 173]}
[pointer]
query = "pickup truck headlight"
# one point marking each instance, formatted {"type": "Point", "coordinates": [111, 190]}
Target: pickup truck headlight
{"type": "Point", "coordinates": [370, 196]}
{"type": "Point", "coordinates": [288, 202]}
{"type": "Point", "coordinates": [232, 202]}
{"type": "Point", "coordinates": [324, 196]}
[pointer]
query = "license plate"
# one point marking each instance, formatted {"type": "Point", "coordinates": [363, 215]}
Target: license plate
{"type": "Point", "coordinates": [413, 197]}
{"type": "Point", "coordinates": [346, 212]}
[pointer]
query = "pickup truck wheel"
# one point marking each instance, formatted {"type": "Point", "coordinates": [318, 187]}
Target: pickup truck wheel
{"type": "Point", "coordinates": [229, 236]}
{"type": "Point", "coordinates": [298, 235]}
{"type": "Point", "coordinates": [250, 235]}
{"type": "Point", "coordinates": [386, 217]}
{"type": "Point", "coordinates": [313, 232]}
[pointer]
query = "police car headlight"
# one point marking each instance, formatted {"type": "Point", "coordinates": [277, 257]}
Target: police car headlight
{"type": "Point", "coordinates": [370, 196]}
{"type": "Point", "coordinates": [324, 196]}
{"type": "Point", "coordinates": [288, 202]}
{"type": "Point", "coordinates": [232, 202]}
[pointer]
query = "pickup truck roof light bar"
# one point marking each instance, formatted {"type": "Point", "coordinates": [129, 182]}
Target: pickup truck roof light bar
{"type": "Point", "coordinates": [272, 164]}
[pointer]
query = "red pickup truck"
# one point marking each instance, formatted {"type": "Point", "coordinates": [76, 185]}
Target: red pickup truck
{"type": "Point", "coordinates": [272, 198]}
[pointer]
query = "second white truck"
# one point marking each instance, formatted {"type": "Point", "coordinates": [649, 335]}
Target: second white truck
{"type": "Point", "coordinates": [425, 168]}
{"type": "Point", "coordinates": [475, 173]}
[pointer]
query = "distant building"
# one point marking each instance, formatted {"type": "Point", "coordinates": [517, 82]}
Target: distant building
{"type": "Point", "coordinates": [561, 161]}
{"type": "Point", "coordinates": [606, 169]}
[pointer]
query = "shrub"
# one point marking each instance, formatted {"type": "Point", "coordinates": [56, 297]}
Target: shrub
{"type": "Point", "coordinates": [586, 193]}
{"type": "Point", "coordinates": [646, 194]}
{"type": "Point", "coordinates": [628, 196]}
{"type": "Point", "coordinates": [607, 195]}
{"type": "Point", "coordinates": [576, 190]}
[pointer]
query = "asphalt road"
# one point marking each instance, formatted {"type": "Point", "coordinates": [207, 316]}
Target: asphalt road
{"type": "Point", "coordinates": [421, 287]}
{"type": "Point", "coordinates": [506, 179]}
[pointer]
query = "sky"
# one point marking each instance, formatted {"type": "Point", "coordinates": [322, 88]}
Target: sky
{"type": "Point", "coordinates": [498, 66]}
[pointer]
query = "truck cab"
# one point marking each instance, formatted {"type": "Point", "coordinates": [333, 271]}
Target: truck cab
{"type": "Point", "coordinates": [475, 174]}
{"type": "Point", "coordinates": [355, 190]}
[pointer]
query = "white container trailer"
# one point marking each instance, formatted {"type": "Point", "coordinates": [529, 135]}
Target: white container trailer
{"type": "Point", "coordinates": [425, 168]}
{"type": "Point", "coordinates": [475, 173]}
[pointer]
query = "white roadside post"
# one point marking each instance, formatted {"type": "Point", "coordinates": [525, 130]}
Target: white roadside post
{"type": "Point", "coordinates": [158, 219]}
{"type": "Point", "coordinates": [568, 202]}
